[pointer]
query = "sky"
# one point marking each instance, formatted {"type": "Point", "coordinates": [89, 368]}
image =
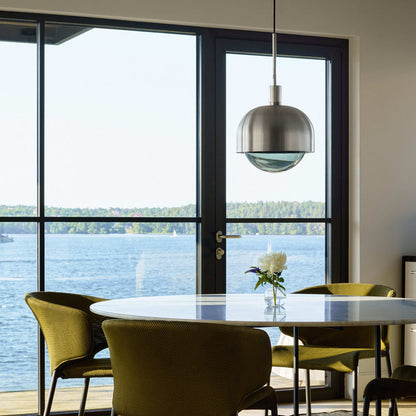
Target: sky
{"type": "Point", "coordinates": [120, 115]}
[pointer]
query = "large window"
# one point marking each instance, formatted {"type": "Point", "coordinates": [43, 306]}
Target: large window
{"type": "Point", "coordinates": [120, 123]}
{"type": "Point", "coordinates": [119, 167]}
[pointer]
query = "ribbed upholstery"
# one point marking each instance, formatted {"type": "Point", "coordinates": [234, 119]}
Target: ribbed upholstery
{"type": "Point", "coordinates": [344, 360]}
{"type": "Point", "coordinates": [405, 372]}
{"type": "Point", "coordinates": [95, 367]}
{"type": "Point", "coordinates": [335, 349]}
{"type": "Point", "coordinates": [73, 335]}
{"type": "Point", "coordinates": [352, 337]}
{"type": "Point", "coordinates": [401, 384]}
{"type": "Point", "coordinates": [188, 368]}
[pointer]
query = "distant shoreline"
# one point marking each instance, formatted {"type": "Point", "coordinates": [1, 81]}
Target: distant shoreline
{"type": "Point", "coordinates": [281, 209]}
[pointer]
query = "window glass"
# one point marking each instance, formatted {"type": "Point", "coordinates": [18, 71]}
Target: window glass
{"type": "Point", "coordinates": [17, 119]}
{"type": "Point", "coordinates": [18, 342]}
{"type": "Point", "coordinates": [18, 193]}
{"type": "Point", "coordinates": [120, 124]}
{"type": "Point", "coordinates": [296, 193]}
{"type": "Point", "coordinates": [305, 267]}
{"type": "Point", "coordinates": [305, 254]}
{"type": "Point", "coordinates": [149, 259]}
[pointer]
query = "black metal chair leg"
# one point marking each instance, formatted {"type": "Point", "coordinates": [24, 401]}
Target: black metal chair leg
{"type": "Point", "coordinates": [354, 392]}
{"type": "Point", "coordinates": [393, 411]}
{"type": "Point", "coordinates": [274, 411]}
{"type": "Point", "coordinates": [366, 406]}
{"type": "Point", "coordinates": [393, 407]}
{"type": "Point", "coordinates": [388, 363]}
{"type": "Point", "coordinates": [84, 397]}
{"type": "Point", "coordinates": [51, 393]}
{"type": "Point", "coordinates": [308, 393]}
{"type": "Point", "coordinates": [266, 411]}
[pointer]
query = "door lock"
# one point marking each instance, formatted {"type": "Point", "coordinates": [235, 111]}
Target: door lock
{"type": "Point", "coordinates": [219, 252]}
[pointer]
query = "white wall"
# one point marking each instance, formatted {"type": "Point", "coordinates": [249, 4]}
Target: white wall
{"type": "Point", "coordinates": [382, 101]}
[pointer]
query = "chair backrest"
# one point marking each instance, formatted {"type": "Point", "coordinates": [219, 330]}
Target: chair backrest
{"type": "Point", "coordinates": [349, 337]}
{"type": "Point", "coordinates": [70, 329]}
{"type": "Point", "coordinates": [179, 368]}
{"type": "Point", "coordinates": [350, 289]}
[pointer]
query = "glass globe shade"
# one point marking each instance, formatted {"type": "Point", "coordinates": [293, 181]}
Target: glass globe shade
{"type": "Point", "coordinates": [274, 162]}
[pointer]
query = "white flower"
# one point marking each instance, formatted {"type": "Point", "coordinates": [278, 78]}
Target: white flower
{"type": "Point", "coordinates": [272, 262]}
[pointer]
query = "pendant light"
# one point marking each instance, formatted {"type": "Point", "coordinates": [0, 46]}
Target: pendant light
{"type": "Point", "coordinates": [275, 137]}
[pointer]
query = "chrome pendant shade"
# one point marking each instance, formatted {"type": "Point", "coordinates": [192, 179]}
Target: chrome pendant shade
{"type": "Point", "coordinates": [275, 137]}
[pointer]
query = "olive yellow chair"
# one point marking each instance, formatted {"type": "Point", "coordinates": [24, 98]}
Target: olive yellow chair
{"type": "Point", "coordinates": [73, 335]}
{"type": "Point", "coordinates": [188, 368]}
{"type": "Point", "coordinates": [335, 349]}
{"type": "Point", "coordinates": [401, 384]}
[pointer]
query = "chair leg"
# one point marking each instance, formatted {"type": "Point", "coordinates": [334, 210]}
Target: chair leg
{"type": "Point", "coordinates": [51, 393]}
{"type": "Point", "coordinates": [113, 413]}
{"type": "Point", "coordinates": [366, 406]}
{"type": "Point", "coordinates": [393, 411]}
{"type": "Point", "coordinates": [354, 392]}
{"type": "Point", "coordinates": [266, 411]}
{"type": "Point", "coordinates": [84, 397]}
{"type": "Point", "coordinates": [393, 407]}
{"type": "Point", "coordinates": [308, 393]}
{"type": "Point", "coordinates": [388, 362]}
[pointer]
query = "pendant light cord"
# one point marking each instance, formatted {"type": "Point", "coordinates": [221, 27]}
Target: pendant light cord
{"type": "Point", "coordinates": [274, 43]}
{"type": "Point", "coordinates": [274, 89]}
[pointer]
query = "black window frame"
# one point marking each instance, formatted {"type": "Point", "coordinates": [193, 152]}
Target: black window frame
{"type": "Point", "coordinates": [210, 131]}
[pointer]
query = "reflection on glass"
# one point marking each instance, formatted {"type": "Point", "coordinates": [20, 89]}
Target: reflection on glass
{"type": "Point", "coordinates": [18, 354]}
{"type": "Point", "coordinates": [150, 259]}
{"type": "Point", "coordinates": [17, 119]}
{"type": "Point", "coordinates": [304, 87]}
{"type": "Point", "coordinates": [120, 124]}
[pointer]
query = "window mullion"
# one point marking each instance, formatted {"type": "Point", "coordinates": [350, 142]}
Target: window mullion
{"type": "Point", "coordinates": [40, 40]}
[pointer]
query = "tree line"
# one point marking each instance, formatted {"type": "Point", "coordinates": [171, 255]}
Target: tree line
{"type": "Point", "coordinates": [281, 209]}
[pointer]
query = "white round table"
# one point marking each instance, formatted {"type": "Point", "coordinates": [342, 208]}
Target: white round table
{"type": "Point", "coordinates": [250, 310]}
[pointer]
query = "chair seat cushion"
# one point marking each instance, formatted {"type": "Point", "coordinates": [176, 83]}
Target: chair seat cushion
{"type": "Point", "coordinates": [344, 360]}
{"type": "Point", "coordinates": [96, 367]}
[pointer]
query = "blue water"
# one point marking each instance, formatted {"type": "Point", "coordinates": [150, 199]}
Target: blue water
{"type": "Point", "coordinates": [116, 266]}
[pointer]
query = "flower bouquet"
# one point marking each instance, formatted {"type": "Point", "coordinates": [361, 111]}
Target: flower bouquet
{"type": "Point", "coordinates": [269, 271]}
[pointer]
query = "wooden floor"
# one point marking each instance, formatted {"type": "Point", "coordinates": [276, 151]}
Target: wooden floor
{"type": "Point", "coordinates": [99, 397]}
{"type": "Point", "coordinates": [406, 408]}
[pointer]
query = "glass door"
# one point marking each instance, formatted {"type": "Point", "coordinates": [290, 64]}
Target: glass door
{"type": "Point", "coordinates": [294, 211]}
{"type": "Point", "coordinates": [253, 195]}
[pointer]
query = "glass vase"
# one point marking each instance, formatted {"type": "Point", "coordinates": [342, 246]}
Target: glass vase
{"type": "Point", "coordinates": [273, 296]}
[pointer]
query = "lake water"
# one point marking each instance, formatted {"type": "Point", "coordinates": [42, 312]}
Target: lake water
{"type": "Point", "coordinates": [117, 266]}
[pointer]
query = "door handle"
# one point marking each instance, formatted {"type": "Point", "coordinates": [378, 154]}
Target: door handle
{"type": "Point", "coordinates": [219, 236]}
